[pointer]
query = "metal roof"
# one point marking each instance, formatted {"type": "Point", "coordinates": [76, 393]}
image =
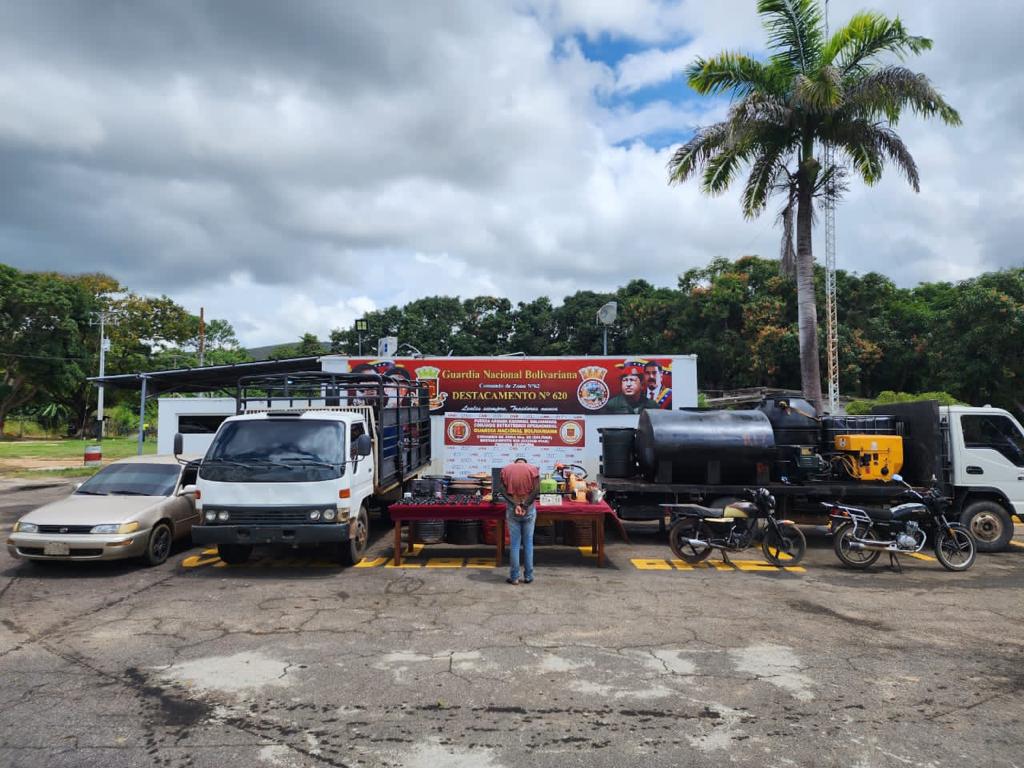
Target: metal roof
{"type": "Point", "coordinates": [208, 378]}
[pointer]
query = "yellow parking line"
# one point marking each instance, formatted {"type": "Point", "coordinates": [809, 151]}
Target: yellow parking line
{"type": "Point", "coordinates": [658, 564]}
{"type": "Point", "coordinates": [922, 556]}
{"type": "Point", "coordinates": [364, 563]}
{"type": "Point", "coordinates": [445, 562]}
{"type": "Point", "coordinates": [650, 564]}
{"type": "Point", "coordinates": [1019, 544]}
{"type": "Point", "coordinates": [480, 562]}
{"type": "Point", "coordinates": [405, 564]}
{"type": "Point", "coordinates": [586, 551]}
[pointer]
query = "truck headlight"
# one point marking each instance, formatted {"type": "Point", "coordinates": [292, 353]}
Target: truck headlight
{"type": "Point", "coordinates": [211, 515]}
{"type": "Point", "coordinates": [330, 514]}
{"type": "Point", "coordinates": [314, 515]}
{"type": "Point", "coordinates": [20, 527]}
{"type": "Point", "coordinates": [223, 516]}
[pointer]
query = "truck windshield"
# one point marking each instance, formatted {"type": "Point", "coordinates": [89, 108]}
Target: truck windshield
{"type": "Point", "coordinates": [275, 451]}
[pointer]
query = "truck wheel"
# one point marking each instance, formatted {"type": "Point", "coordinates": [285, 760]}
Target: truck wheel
{"type": "Point", "coordinates": [234, 554]}
{"type": "Point", "coordinates": [990, 524]}
{"type": "Point", "coordinates": [352, 551]}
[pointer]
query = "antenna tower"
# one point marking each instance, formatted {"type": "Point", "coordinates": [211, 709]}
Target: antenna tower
{"type": "Point", "coordinates": [832, 322]}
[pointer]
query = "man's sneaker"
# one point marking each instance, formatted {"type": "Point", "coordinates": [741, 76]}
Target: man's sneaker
{"type": "Point", "coordinates": [528, 581]}
{"type": "Point", "coordinates": [512, 581]}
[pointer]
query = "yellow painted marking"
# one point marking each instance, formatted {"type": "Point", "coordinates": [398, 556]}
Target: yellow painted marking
{"type": "Point", "coordinates": [480, 562]}
{"type": "Point", "coordinates": [195, 561]}
{"type": "Point", "coordinates": [795, 569]}
{"type": "Point", "coordinates": [585, 551]}
{"type": "Point", "coordinates": [212, 551]}
{"type": "Point", "coordinates": [719, 565]}
{"type": "Point", "coordinates": [921, 556]}
{"type": "Point", "coordinates": [679, 565]}
{"type": "Point", "coordinates": [364, 563]}
{"type": "Point", "coordinates": [647, 564]}
{"type": "Point", "coordinates": [391, 564]}
{"type": "Point", "coordinates": [445, 562]}
{"type": "Point", "coordinates": [1017, 543]}
{"type": "Point", "coordinates": [415, 549]}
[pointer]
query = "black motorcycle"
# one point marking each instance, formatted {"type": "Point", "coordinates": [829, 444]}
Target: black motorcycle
{"type": "Point", "coordinates": [860, 536]}
{"type": "Point", "coordinates": [696, 531]}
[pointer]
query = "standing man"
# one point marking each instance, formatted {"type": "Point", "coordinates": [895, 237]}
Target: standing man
{"type": "Point", "coordinates": [521, 483]}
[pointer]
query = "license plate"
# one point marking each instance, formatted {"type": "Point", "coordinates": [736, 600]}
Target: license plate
{"type": "Point", "coordinates": [56, 548]}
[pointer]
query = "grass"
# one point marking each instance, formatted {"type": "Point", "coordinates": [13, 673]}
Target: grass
{"type": "Point", "coordinates": [113, 448]}
{"type": "Point", "coordinates": [47, 474]}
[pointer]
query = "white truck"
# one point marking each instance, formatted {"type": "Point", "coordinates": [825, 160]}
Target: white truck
{"type": "Point", "coordinates": [306, 457]}
{"type": "Point", "coordinates": [975, 455]}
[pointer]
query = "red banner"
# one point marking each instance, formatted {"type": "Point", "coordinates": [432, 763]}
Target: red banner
{"type": "Point", "coordinates": [515, 430]}
{"type": "Point", "coordinates": [597, 385]}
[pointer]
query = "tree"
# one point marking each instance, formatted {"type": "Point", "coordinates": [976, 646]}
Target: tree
{"type": "Point", "coordinates": [42, 350]}
{"type": "Point", "coordinates": [812, 92]}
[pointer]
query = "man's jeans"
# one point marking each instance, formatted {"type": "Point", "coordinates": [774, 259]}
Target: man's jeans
{"type": "Point", "coordinates": [520, 534]}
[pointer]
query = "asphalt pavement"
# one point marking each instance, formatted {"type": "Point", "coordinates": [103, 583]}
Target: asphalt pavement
{"type": "Point", "coordinates": [291, 660]}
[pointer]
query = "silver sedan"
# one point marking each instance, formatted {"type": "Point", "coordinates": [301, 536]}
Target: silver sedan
{"type": "Point", "coordinates": [135, 507]}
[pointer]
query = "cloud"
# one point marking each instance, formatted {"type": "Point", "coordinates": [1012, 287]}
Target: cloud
{"type": "Point", "coordinates": [290, 167]}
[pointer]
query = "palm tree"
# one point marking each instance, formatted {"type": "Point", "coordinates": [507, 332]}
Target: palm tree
{"type": "Point", "coordinates": [813, 91]}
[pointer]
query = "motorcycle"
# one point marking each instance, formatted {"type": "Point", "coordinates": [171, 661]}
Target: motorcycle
{"type": "Point", "coordinates": [860, 536]}
{"type": "Point", "coordinates": [696, 531]}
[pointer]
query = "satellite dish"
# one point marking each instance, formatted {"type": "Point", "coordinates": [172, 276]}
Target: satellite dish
{"type": "Point", "coordinates": [607, 313]}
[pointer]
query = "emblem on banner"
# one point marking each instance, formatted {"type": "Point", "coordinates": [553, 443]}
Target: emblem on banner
{"type": "Point", "coordinates": [593, 392]}
{"type": "Point", "coordinates": [571, 432]}
{"type": "Point", "coordinates": [431, 376]}
{"type": "Point", "coordinates": [458, 430]}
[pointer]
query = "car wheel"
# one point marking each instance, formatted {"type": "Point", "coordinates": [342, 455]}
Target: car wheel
{"type": "Point", "coordinates": [159, 545]}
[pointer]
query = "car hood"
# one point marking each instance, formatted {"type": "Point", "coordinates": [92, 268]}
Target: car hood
{"type": "Point", "coordinates": [83, 509]}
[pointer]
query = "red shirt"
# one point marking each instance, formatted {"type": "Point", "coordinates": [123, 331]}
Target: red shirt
{"type": "Point", "coordinates": [520, 479]}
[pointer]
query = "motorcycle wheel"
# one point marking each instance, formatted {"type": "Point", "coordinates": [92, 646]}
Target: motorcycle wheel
{"type": "Point", "coordinates": [684, 550]}
{"type": "Point", "coordinates": [785, 549]}
{"type": "Point", "coordinates": [854, 558]}
{"type": "Point", "coordinates": [955, 549]}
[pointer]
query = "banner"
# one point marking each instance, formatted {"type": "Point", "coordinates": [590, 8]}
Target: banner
{"type": "Point", "coordinates": [566, 385]}
{"type": "Point", "coordinates": [479, 443]}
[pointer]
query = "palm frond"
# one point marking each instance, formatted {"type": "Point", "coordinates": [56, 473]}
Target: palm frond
{"type": "Point", "coordinates": [794, 32]}
{"type": "Point", "coordinates": [820, 92]}
{"type": "Point", "coordinates": [763, 108]}
{"type": "Point", "coordinates": [721, 169]}
{"type": "Point", "coordinates": [698, 151]}
{"type": "Point", "coordinates": [766, 173]}
{"type": "Point", "coordinates": [728, 72]}
{"type": "Point", "coordinates": [890, 90]}
{"type": "Point", "coordinates": [866, 35]}
{"type": "Point", "coordinates": [868, 145]}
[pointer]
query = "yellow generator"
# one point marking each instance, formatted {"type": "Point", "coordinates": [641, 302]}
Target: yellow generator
{"type": "Point", "coordinates": [870, 457]}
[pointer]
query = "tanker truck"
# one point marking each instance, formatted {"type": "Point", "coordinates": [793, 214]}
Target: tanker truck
{"type": "Point", "coordinates": [975, 455]}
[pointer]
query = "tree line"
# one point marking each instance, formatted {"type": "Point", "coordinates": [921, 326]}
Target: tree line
{"type": "Point", "coordinates": [738, 316]}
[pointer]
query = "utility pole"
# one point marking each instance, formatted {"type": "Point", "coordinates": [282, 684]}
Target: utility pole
{"type": "Point", "coordinates": [202, 337]}
{"type": "Point", "coordinates": [101, 318]}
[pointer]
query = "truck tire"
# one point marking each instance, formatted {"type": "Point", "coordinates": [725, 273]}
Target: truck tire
{"type": "Point", "coordinates": [234, 554]}
{"type": "Point", "coordinates": [352, 551]}
{"type": "Point", "coordinates": [990, 524]}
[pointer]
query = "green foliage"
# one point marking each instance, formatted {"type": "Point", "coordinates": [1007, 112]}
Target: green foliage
{"type": "Point", "coordinates": [121, 420]}
{"type": "Point", "coordinates": [862, 407]}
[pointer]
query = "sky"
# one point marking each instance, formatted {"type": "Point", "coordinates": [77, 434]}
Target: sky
{"type": "Point", "coordinates": [291, 166]}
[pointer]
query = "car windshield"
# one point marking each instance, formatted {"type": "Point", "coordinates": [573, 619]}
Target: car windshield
{"type": "Point", "coordinates": [132, 480]}
{"type": "Point", "coordinates": [276, 450]}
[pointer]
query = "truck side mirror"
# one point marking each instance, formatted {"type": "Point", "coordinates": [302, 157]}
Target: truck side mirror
{"type": "Point", "coordinates": [178, 443]}
{"type": "Point", "coordinates": [364, 445]}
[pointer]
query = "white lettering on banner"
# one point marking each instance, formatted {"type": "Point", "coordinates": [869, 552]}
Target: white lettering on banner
{"type": "Point", "coordinates": [478, 443]}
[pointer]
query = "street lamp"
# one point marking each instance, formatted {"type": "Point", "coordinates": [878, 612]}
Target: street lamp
{"type": "Point", "coordinates": [361, 327]}
{"type": "Point", "coordinates": [606, 316]}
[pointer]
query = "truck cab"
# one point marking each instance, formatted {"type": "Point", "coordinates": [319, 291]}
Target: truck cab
{"type": "Point", "coordinates": [986, 468]}
{"type": "Point", "coordinates": [305, 457]}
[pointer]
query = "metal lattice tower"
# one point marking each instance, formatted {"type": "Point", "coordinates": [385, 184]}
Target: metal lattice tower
{"type": "Point", "coordinates": [832, 321]}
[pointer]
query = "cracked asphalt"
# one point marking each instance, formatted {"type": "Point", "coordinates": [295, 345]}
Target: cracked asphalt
{"type": "Point", "coordinates": [291, 661]}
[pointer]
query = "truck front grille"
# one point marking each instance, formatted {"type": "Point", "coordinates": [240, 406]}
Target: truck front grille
{"type": "Point", "coordinates": [257, 516]}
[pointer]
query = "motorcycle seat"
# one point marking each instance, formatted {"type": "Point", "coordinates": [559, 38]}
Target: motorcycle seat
{"type": "Point", "coordinates": [736, 509]}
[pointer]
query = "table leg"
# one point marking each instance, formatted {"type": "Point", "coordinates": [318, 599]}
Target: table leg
{"type": "Point", "coordinates": [398, 542]}
{"type": "Point", "coordinates": [600, 542]}
{"type": "Point", "coordinates": [499, 547]}
{"type": "Point", "coordinates": [593, 536]}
